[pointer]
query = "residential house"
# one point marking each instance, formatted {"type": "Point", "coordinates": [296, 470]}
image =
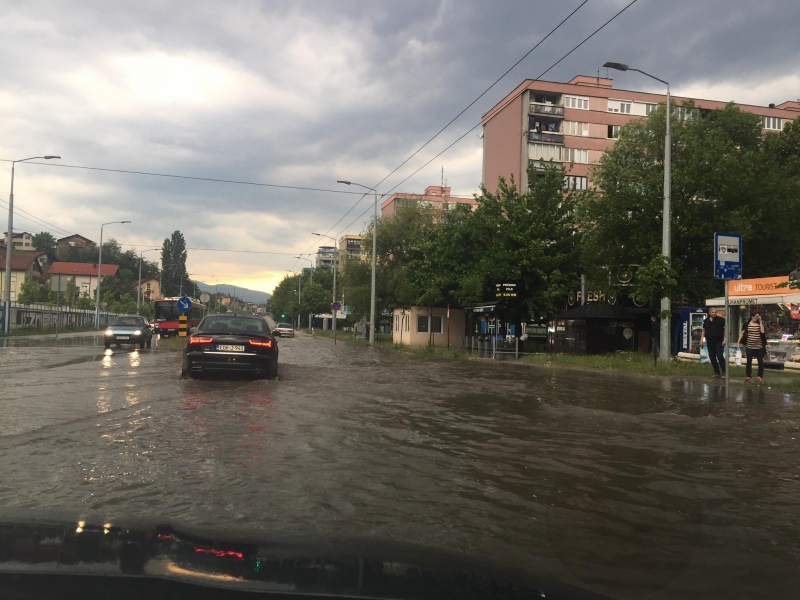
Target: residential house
{"type": "Point", "coordinates": [574, 123]}
{"type": "Point", "coordinates": [74, 241]}
{"type": "Point", "coordinates": [22, 265]}
{"type": "Point", "coordinates": [435, 196]}
{"type": "Point", "coordinates": [422, 326]}
{"type": "Point", "coordinates": [22, 240]}
{"type": "Point", "coordinates": [150, 289]}
{"type": "Point", "coordinates": [85, 275]}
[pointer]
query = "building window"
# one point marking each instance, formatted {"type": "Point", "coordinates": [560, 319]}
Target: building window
{"type": "Point", "coordinates": [544, 98]}
{"type": "Point", "coordinates": [576, 102]}
{"type": "Point", "coordinates": [436, 324]}
{"type": "Point", "coordinates": [545, 152]}
{"type": "Point", "coordinates": [574, 155]}
{"type": "Point", "coordinates": [684, 114]}
{"type": "Point", "coordinates": [648, 108]}
{"type": "Point", "coordinates": [774, 123]}
{"type": "Point", "coordinates": [397, 322]}
{"type": "Point", "coordinates": [613, 131]}
{"type": "Point", "coordinates": [406, 320]}
{"type": "Point", "coordinates": [616, 106]}
{"type": "Point", "coordinates": [422, 324]}
{"type": "Point", "coordinates": [576, 128]}
{"type": "Point", "coordinates": [575, 183]}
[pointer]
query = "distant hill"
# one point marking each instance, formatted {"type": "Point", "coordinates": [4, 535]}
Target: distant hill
{"type": "Point", "coordinates": [240, 292]}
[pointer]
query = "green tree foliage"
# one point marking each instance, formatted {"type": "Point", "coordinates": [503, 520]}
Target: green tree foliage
{"type": "Point", "coordinates": [29, 291]}
{"type": "Point", "coordinates": [726, 177]}
{"type": "Point", "coordinates": [85, 302]}
{"type": "Point", "coordinates": [315, 299]}
{"type": "Point", "coordinates": [71, 292]}
{"type": "Point", "coordinates": [45, 242]}
{"type": "Point", "coordinates": [173, 263]}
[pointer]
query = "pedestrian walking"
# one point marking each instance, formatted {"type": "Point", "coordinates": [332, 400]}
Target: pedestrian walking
{"type": "Point", "coordinates": [755, 345]}
{"type": "Point", "coordinates": [714, 336]}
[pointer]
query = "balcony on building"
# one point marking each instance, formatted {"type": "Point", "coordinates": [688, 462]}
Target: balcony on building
{"type": "Point", "coordinates": [545, 136]}
{"type": "Point", "coordinates": [549, 104]}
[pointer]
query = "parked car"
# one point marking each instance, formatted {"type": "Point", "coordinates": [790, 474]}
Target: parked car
{"type": "Point", "coordinates": [284, 330]}
{"type": "Point", "coordinates": [128, 330]}
{"type": "Point", "coordinates": [231, 343]}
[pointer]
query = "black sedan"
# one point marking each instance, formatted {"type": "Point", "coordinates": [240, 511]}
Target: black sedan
{"type": "Point", "coordinates": [231, 343]}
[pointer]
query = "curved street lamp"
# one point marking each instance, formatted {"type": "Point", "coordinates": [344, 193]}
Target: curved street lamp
{"type": "Point", "coordinates": [100, 272]}
{"type": "Point", "coordinates": [666, 234]}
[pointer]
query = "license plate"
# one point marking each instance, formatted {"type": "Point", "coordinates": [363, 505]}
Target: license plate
{"type": "Point", "coordinates": [229, 348]}
{"type": "Point", "coordinates": [123, 337]}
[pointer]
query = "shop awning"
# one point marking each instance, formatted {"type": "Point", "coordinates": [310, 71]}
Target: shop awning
{"type": "Point", "coordinates": [482, 308]}
{"type": "Point", "coordinates": [793, 298]}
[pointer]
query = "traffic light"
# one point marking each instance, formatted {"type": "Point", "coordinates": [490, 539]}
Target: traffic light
{"type": "Point", "coordinates": [283, 316]}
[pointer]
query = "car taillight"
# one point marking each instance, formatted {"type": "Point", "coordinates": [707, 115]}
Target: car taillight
{"type": "Point", "coordinates": [200, 340]}
{"type": "Point", "coordinates": [261, 344]}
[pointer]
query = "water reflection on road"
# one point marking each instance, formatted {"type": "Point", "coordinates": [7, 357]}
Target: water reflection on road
{"type": "Point", "coordinates": [628, 485]}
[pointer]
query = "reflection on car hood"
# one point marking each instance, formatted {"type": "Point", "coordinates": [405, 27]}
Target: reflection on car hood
{"type": "Point", "coordinates": [42, 557]}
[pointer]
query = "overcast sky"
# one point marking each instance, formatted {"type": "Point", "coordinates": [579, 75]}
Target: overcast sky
{"type": "Point", "coordinates": [307, 92]}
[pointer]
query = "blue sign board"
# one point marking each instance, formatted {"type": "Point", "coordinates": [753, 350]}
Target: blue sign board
{"type": "Point", "coordinates": [184, 305]}
{"type": "Point", "coordinates": [727, 256]}
{"type": "Point", "coordinates": [337, 306]}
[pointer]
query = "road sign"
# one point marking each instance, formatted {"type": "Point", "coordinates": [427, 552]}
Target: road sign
{"type": "Point", "coordinates": [183, 325]}
{"type": "Point", "coordinates": [727, 256]}
{"type": "Point", "coordinates": [205, 297]}
{"type": "Point", "coordinates": [337, 306]}
{"type": "Point", "coordinates": [184, 305]}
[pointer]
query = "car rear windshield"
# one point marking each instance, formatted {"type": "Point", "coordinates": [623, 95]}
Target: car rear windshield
{"type": "Point", "coordinates": [128, 322]}
{"type": "Point", "coordinates": [284, 326]}
{"type": "Point", "coordinates": [235, 325]}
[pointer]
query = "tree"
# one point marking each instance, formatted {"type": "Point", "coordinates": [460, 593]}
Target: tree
{"type": "Point", "coordinates": [85, 302]}
{"type": "Point", "coordinates": [173, 264]}
{"type": "Point", "coordinates": [71, 292]}
{"type": "Point", "coordinates": [726, 176]}
{"type": "Point", "coordinates": [29, 291]}
{"type": "Point", "coordinates": [45, 242]}
{"type": "Point", "coordinates": [315, 299]}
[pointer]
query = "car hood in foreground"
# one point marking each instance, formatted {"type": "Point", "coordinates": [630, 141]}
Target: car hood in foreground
{"type": "Point", "coordinates": [44, 559]}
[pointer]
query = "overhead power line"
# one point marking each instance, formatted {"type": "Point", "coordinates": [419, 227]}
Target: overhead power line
{"type": "Point", "coordinates": [190, 177]}
{"type": "Point", "coordinates": [466, 108]}
{"type": "Point", "coordinates": [465, 134]}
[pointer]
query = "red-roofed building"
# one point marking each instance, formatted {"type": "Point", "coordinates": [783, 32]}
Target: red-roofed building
{"type": "Point", "coordinates": [22, 265]}
{"type": "Point", "coordinates": [85, 275]}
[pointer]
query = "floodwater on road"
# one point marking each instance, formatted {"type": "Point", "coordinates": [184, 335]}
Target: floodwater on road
{"type": "Point", "coordinates": [628, 486]}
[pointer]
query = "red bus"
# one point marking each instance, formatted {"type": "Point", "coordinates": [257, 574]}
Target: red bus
{"type": "Point", "coordinates": [165, 318]}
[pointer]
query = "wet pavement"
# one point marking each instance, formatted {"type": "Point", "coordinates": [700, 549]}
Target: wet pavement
{"type": "Point", "coordinates": [629, 486]}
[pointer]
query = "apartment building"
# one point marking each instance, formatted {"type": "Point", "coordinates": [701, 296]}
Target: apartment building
{"type": "Point", "coordinates": [22, 240]}
{"type": "Point", "coordinates": [350, 247]}
{"type": "Point", "coordinates": [85, 275]}
{"type": "Point", "coordinates": [326, 257]}
{"type": "Point", "coordinates": [434, 195]}
{"type": "Point", "coordinates": [576, 122]}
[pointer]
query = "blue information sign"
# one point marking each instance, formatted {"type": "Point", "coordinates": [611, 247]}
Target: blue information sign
{"type": "Point", "coordinates": [184, 305]}
{"type": "Point", "coordinates": [337, 306]}
{"type": "Point", "coordinates": [727, 256]}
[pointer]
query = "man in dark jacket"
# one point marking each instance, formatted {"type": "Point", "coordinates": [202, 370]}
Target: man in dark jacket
{"type": "Point", "coordinates": [714, 335]}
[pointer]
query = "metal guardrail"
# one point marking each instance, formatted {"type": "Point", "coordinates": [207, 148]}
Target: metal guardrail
{"type": "Point", "coordinates": [545, 136]}
{"type": "Point", "coordinates": [41, 316]}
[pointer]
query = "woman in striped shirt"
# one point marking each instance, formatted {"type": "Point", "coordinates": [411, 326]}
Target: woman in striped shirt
{"type": "Point", "coordinates": [755, 344]}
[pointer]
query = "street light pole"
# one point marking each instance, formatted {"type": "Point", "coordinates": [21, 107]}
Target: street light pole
{"type": "Point", "coordinates": [666, 225]}
{"type": "Point", "coordinates": [100, 273]}
{"type": "Point", "coordinates": [299, 289]}
{"type": "Point", "coordinates": [311, 277]}
{"type": "Point", "coordinates": [10, 245]}
{"type": "Point", "coordinates": [374, 259]}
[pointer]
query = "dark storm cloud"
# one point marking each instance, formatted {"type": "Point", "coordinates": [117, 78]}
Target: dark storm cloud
{"type": "Point", "coordinates": [309, 92]}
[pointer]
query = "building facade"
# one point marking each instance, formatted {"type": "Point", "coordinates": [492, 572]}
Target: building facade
{"type": "Point", "coordinates": [22, 265]}
{"type": "Point", "coordinates": [420, 327]}
{"type": "Point", "coordinates": [326, 257]}
{"type": "Point", "coordinates": [350, 248]}
{"type": "Point", "coordinates": [22, 240]}
{"type": "Point", "coordinates": [150, 288]}
{"type": "Point", "coordinates": [435, 196]}
{"type": "Point", "coordinates": [575, 123]}
{"type": "Point", "coordinates": [74, 241]}
{"type": "Point", "coordinates": [85, 275]}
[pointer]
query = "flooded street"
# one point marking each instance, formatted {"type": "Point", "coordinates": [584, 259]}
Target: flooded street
{"type": "Point", "coordinates": [627, 486]}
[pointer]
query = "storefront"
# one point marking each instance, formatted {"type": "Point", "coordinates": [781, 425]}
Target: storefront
{"type": "Point", "coordinates": [595, 328]}
{"type": "Point", "coordinates": [779, 308]}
